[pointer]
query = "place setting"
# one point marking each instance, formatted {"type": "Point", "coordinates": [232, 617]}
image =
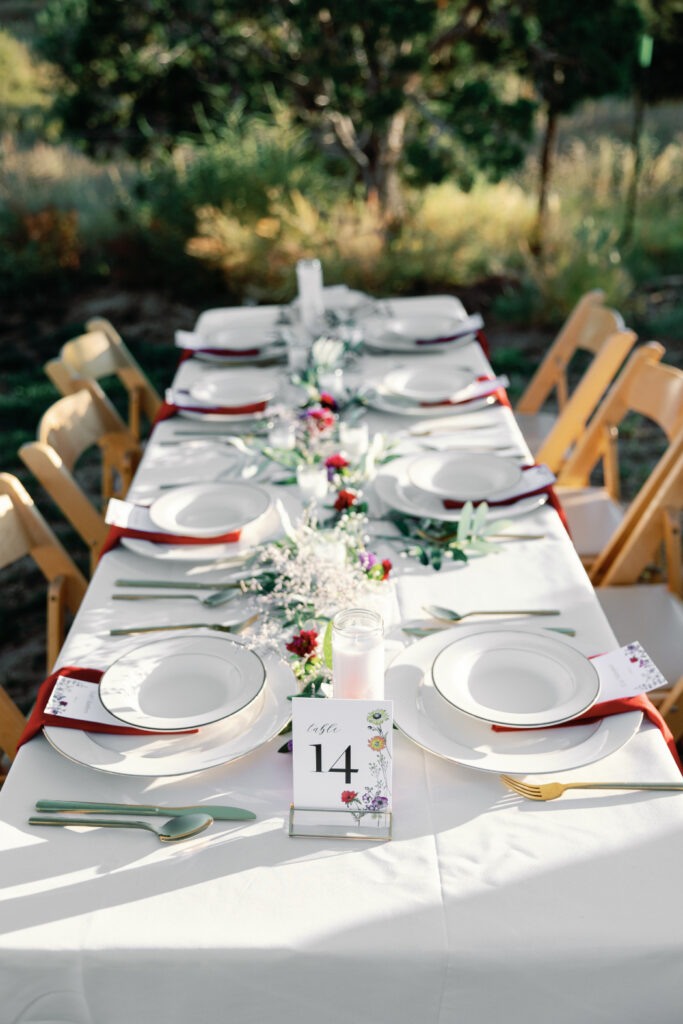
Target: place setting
{"type": "Point", "coordinates": [438, 484]}
{"type": "Point", "coordinates": [424, 391]}
{"type": "Point", "coordinates": [166, 707]}
{"type": "Point", "coordinates": [418, 332]}
{"type": "Point", "coordinates": [257, 336]}
{"type": "Point", "coordinates": [222, 398]}
{"type": "Point", "coordinates": [515, 700]}
{"type": "Point", "coordinates": [195, 522]}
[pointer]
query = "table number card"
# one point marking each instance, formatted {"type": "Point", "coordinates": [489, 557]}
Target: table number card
{"type": "Point", "coordinates": [342, 760]}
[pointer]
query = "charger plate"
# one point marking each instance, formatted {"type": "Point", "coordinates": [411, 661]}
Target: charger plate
{"type": "Point", "coordinates": [210, 509]}
{"type": "Point", "coordinates": [463, 475]}
{"type": "Point", "coordinates": [523, 679]}
{"type": "Point", "coordinates": [182, 682]}
{"type": "Point", "coordinates": [426, 718]}
{"type": "Point", "coordinates": [393, 487]}
{"type": "Point", "coordinates": [212, 745]}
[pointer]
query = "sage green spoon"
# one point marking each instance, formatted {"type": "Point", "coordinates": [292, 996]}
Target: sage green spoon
{"type": "Point", "coordinates": [184, 827]}
{"type": "Point", "coordinates": [218, 813]}
{"type": "Point", "coordinates": [448, 615]}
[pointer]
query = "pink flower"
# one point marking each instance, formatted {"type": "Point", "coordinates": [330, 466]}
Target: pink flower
{"type": "Point", "coordinates": [304, 644]}
{"type": "Point", "coordinates": [320, 419]}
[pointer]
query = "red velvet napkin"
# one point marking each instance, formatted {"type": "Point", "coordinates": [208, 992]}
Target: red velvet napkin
{"type": "Point", "coordinates": [616, 707]}
{"type": "Point", "coordinates": [453, 503]}
{"type": "Point", "coordinates": [500, 394]}
{"type": "Point", "coordinates": [39, 718]}
{"type": "Point", "coordinates": [168, 409]}
{"type": "Point", "coordinates": [116, 532]}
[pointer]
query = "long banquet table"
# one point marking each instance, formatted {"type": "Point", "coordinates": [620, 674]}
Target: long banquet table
{"type": "Point", "coordinates": [482, 907]}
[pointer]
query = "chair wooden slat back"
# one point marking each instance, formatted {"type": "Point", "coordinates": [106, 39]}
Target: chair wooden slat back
{"type": "Point", "coordinates": [589, 325]}
{"type": "Point", "coordinates": [585, 398]}
{"type": "Point", "coordinates": [73, 424]}
{"type": "Point", "coordinates": [77, 421]}
{"type": "Point", "coordinates": [23, 531]}
{"type": "Point", "coordinates": [643, 386]}
{"type": "Point", "coordinates": [651, 526]}
{"type": "Point", "coordinates": [12, 724]}
{"type": "Point", "coordinates": [101, 352]}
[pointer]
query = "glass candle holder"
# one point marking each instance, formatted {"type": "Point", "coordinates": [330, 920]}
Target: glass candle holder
{"type": "Point", "coordinates": [282, 435]}
{"type": "Point", "coordinates": [358, 655]}
{"type": "Point", "coordinates": [354, 439]}
{"type": "Point", "coordinates": [312, 481]}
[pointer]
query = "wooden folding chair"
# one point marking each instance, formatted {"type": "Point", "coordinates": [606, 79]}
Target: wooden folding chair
{"type": "Point", "coordinates": [68, 428]}
{"type": "Point", "coordinates": [101, 352]}
{"type": "Point", "coordinates": [593, 328]}
{"type": "Point", "coordinates": [23, 531]}
{"type": "Point", "coordinates": [650, 612]}
{"type": "Point", "coordinates": [645, 386]}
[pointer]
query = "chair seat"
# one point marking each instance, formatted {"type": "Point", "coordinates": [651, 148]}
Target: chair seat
{"type": "Point", "coordinates": [593, 516]}
{"type": "Point", "coordinates": [651, 614]}
{"type": "Point", "coordinates": [535, 427]}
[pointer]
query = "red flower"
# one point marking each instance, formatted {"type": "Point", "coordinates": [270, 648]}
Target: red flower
{"type": "Point", "coordinates": [348, 795]}
{"type": "Point", "coordinates": [337, 461]}
{"type": "Point", "coordinates": [304, 644]}
{"type": "Point", "coordinates": [328, 402]}
{"type": "Point", "coordinates": [345, 499]}
{"type": "Point", "coordinates": [386, 565]}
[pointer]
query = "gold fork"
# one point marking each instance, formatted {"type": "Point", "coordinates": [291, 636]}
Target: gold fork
{"type": "Point", "coordinates": [551, 790]}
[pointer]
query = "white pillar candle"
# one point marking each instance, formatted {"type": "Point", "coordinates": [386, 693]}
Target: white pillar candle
{"type": "Point", "coordinates": [309, 279]}
{"type": "Point", "coordinates": [328, 548]}
{"type": "Point", "coordinates": [358, 655]}
{"type": "Point", "coordinates": [354, 440]}
{"type": "Point", "coordinates": [332, 382]}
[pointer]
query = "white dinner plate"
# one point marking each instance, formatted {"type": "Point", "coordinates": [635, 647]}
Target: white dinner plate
{"type": "Point", "coordinates": [426, 383]}
{"type": "Point", "coordinates": [463, 475]}
{"type": "Point", "coordinates": [212, 745]}
{"type": "Point", "coordinates": [386, 401]}
{"type": "Point", "coordinates": [512, 678]}
{"type": "Point", "coordinates": [402, 333]}
{"type": "Point", "coordinates": [243, 338]}
{"type": "Point", "coordinates": [245, 387]}
{"type": "Point", "coordinates": [182, 682]}
{"type": "Point", "coordinates": [211, 509]}
{"type": "Point", "coordinates": [423, 715]}
{"type": "Point", "coordinates": [393, 487]}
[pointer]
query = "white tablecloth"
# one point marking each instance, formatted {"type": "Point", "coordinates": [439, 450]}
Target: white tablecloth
{"type": "Point", "coordinates": [483, 907]}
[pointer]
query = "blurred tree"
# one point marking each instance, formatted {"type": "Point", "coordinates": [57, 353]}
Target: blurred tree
{"type": "Point", "coordinates": [657, 76]}
{"type": "Point", "coordinates": [580, 50]}
{"type": "Point", "coordinates": [415, 84]}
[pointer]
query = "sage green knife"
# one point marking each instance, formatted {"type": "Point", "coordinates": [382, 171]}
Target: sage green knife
{"type": "Point", "coordinates": [218, 813]}
{"type": "Point", "coordinates": [169, 585]}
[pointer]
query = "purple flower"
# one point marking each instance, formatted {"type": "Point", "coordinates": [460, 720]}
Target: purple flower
{"type": "Point", "coordinates": [367, 560]}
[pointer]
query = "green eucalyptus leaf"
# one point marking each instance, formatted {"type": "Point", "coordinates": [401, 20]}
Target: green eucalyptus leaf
{"type": "Point", "coordinates": [479, 518]}
{"type": "Point", "coordinates": [327, 645]}
{"type": "Point", "coordinates": [437, 556]}
{"type": "Point", "coordinates": [457, 554]}
{"type": "Point", "coordinates": [495, 526]}
{"type": "Point", "coordinates": [464, 522]}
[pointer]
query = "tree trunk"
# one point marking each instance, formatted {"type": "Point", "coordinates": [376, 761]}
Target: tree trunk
{"type": "Point", "coordinates": [381, 176]}
{"type": "Point", "coordinates": [547, 154]}
{"type": "Point", "coordinates": [636, 140]}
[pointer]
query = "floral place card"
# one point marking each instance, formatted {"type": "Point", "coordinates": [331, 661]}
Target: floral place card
{"type": "Point", "coordinates": [79, 699]}
{"type": "Point", "coordinates": [627, 672]}
{"type": "Point", "coordinates": [342, 761]}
